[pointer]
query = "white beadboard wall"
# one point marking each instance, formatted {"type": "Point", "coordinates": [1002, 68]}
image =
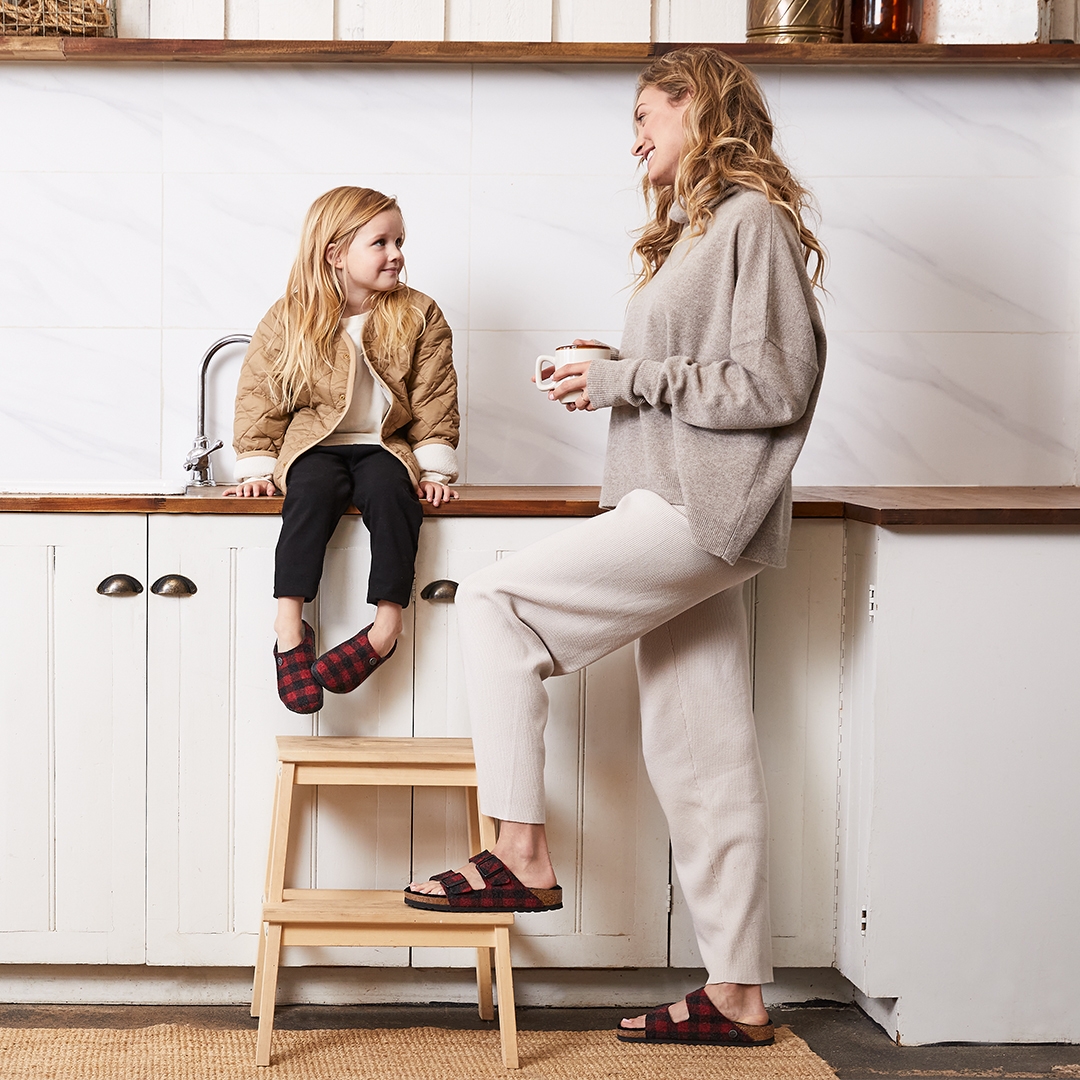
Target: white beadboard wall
{"type": "Point", "coordinates": [945, 21]}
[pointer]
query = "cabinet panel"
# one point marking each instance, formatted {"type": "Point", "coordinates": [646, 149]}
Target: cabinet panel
{"type": "Point", "coordinates": [796, 625]}
{"type": "Point", "coordinates": [595, 779]}
{"type": "Point", "coordinates": [214, 715]}
{"type": "Point", "coordinates": [72, 741]}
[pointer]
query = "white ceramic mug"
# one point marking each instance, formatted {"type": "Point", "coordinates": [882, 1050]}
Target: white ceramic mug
{"type": "Point", "coordinates": [567, 354]}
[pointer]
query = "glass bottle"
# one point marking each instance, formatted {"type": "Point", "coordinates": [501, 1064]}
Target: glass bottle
{"type": "Point", "coordinates": [895, 22]}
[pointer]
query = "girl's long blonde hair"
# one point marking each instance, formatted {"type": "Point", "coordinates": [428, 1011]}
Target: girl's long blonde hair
{"type": "Point", "coordinates": [315, 296]}
{"type": "Point", "coordinates": [729, 140]}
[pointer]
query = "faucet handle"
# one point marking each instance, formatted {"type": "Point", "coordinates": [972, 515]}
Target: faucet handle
{"type": "Point", "coordinates": [197, 456]}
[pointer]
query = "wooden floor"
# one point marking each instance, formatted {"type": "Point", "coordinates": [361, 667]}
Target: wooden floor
{"type": "Point", "coordinates": [853, 1045]}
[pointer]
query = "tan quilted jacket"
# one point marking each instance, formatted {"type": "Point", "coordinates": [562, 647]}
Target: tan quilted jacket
{"type": "Point", "coordinates": [422, 389]}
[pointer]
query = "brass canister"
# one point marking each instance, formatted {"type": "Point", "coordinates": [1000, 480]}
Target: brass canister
{"type": "Point", "coordinates": [795, 20]}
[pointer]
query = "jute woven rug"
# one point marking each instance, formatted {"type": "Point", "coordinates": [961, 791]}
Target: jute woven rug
{"type": "Point", "coordinates": [182, 1052]}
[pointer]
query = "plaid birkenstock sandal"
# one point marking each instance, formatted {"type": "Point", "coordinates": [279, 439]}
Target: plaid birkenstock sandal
{"type": "Point", "coordinates": [706, 1025]}
{"type": "Point", "coordinates": [502, 891]}
{"type": "Point", "coordinates": [298, 691]}
{"type": "Point", "coordinates": [347, 665]}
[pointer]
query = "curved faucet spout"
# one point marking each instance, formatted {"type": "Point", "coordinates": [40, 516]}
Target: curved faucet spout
{"type": "Point", "coordinates": [197, 461]}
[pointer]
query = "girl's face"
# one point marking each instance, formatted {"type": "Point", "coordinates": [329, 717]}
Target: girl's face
{"type": "Point", "coordinates": [372, 262]}
{"type": "Point", "coordinates": [659, 139]}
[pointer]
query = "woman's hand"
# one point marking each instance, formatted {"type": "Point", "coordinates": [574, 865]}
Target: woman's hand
{"type": "Point", "coordinates": [252, 487]}
{"type": "Point", "coordinates": [436, 494]}
{"type": "Point", "coordinates": [569, 378]}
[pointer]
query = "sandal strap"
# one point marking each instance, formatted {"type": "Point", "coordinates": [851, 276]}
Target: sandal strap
{"type": "Point", "coordinates": [701, 1007]}
{"type": "Point", "coordinates": [453, 883]}
{"type": "Point", "coordinates": [493, 871]}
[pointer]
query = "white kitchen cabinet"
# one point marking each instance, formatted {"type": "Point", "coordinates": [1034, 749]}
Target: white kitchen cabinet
{"type": "Point", "coordinates": [72, 740]}
{"type": "Point", "coordinates": [795, 618]}
{"type": "Point", "coordinates": [959, 802]}
{"type": "Point", "coordinates": [606, 831]}
{"type": "Point", "coordinates": [139, 756]}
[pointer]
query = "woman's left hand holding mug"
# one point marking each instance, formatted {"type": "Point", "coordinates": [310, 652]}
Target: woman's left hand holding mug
{"type": "Point", "coordinates": [572, 379]}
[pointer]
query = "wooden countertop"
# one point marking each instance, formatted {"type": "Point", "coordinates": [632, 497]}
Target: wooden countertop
{"type": "Point", "coordinates": [887, 506]}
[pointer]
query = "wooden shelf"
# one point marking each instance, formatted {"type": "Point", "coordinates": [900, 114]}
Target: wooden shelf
{"type": "Point", "coordinates": [143, 50]}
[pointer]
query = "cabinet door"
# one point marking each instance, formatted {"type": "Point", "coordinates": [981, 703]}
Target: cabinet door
{"type": "Point", "coordinates": [607, 833]}
{"type": "Point", "coordinates": [214, 714]}
{"type": "Point", "coordinates": [795, 618]}
{"type": "Point", "coordinates": [72, 748]}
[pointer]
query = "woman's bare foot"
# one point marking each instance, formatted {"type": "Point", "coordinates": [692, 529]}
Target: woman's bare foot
{"type": "Point", "coordinates": [386, 628]}
{"type": "Point", "coordinates": [740, 1002]}
{"type": "Point", "coordinates": [523, 850]}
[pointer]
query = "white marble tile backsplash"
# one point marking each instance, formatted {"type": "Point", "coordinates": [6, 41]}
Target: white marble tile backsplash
{"type": "Point", "coordinates": [154, 208]}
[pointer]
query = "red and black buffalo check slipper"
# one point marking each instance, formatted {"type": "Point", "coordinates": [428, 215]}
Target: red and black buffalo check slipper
{"type": "Point", "coordinates": [347, 665]}
{"type": "Point", "coordinates": [298, 691]}
{"type": "Point", "coordinates": [502, 891]}
{"type": "Point", "coordinates": [706, 1025]}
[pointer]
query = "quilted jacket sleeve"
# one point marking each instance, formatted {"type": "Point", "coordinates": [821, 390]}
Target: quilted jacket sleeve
{"type": "Point", "coordinates": [433, 385]}
{"type": "Point", "coordinates": [260, 424]}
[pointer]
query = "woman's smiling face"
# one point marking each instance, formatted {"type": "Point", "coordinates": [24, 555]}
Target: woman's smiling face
{"type": "Point", "coordinates": [659, 139]}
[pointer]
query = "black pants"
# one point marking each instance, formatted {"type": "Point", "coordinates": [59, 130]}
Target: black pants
{"type": "Point", "coordinates": [323, 483]}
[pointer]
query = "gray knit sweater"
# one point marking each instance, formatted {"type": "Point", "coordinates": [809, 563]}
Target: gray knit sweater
{"type": "Point", "coordinates": [716, 380]}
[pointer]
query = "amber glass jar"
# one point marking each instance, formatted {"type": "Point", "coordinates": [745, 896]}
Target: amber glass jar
{"type": "Point", "coordinates": [895, 22]}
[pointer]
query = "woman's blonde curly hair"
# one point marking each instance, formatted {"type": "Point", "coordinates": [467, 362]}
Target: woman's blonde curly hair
{"type": "Point", "coordinates": [729, 140]}
{"type": "Point", "coordinates": [315, 295]}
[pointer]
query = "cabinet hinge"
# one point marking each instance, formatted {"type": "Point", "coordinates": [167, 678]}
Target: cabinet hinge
{"type": "Point", "coordinates": [670, 894]}
{"type": "Point", "coordinates": [862, 921]}
{"type": "Point", "coordinates": [873, 603]}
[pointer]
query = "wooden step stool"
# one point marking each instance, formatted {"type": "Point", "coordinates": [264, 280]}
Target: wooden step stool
{"type": "Point", "coordinates": [374, 917]}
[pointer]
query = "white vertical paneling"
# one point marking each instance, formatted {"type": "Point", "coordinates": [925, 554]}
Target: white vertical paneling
{"type": "Point", "coordinates": [796, 663]}
{"type": "Point", "coordinates": [26, 741]}
{"type": "Point", "coordinates": [498, 20]}
{"type": "Point", "coordinates": [403, 20]}
{"type": "Point", "coordinates": [73, 872]}
{"type": "Point", "coordinates": [285, 20]}
{"type": "Point", "coordinates": [613, 874]}
{"type": "Point", "coordinates": [133, 18]}
{"type": "Point", "coordinates": [602, 20]}
{"type": "Point", "coordinates": [187, 19]}
{"type": "Point", "coordinates": [699, 20]}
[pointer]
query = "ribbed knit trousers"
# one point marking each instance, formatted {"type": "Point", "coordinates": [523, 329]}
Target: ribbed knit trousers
{"type": "Point", "coordinates": [635, 575]}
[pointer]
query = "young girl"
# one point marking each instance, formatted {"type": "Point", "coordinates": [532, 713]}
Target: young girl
{"type": "Point", "coordinates": [347, 397]}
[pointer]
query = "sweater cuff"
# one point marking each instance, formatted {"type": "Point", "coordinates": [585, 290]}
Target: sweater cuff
{"type": "Point", "coordinates": [437, 461]}
{"type": "Point", "coordinates": [256, 467]}
{"type": "Point", "coordinates": [608, 383]}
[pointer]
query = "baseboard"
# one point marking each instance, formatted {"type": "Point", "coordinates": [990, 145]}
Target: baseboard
{"type": "Point", "coordinates": [564, 988]}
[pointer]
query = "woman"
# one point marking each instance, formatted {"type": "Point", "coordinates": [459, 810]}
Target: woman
{"type": "Point", "coordinates": [711, 399]}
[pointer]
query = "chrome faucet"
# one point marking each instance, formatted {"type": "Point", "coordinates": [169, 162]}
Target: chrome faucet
{"type": "Point", "coordinates": [197, 461]}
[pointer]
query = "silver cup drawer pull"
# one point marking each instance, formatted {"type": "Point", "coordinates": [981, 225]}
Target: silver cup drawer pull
{"type": "Point", "coordinates": [174, 585]}
{"type": "Point", "coordinates": [120, 585]}
{"type": "Point", "coordinates": [441, 591]}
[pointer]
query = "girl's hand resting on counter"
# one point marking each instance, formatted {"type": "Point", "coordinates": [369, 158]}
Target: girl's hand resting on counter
{"type": "Point", "coordinates": [436, 494]}
{"type": "Point", "coordinates": [252, 487]}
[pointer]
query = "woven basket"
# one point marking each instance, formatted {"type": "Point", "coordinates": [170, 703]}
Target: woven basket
{"type": "Point", "coordinates": [67, 18]}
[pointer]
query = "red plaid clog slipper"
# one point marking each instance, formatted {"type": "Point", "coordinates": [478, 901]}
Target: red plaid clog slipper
{"type": "Point", "coordinates": [347, 665]}
{"type": "Point", "coordinates": [502, 891]}
{"type": "Point", "coordinates": [706, 1025]}
{"type": "Point", "coordinates": [298, 691]}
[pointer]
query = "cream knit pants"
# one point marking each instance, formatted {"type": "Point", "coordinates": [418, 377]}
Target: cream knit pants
{"type": "Point", "coordinates": [634, 574]}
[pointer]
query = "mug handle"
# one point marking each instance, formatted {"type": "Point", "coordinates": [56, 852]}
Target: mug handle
{"type": "Point", "coordinates": [549, 382]}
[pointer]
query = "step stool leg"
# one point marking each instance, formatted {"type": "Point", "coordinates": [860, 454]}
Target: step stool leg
{"type": "Point", "coordinates": [504, 978]}
{"type": "Point", "coordinates": [260, 961]}
{"type": "Point", "coordinates": [268, 994]}
{"type": "Point", "coordinates": [483, 984]}
{"type": "Point", "coordinates": [487, 832]}
{"type": "Point", "coordinates": [472, 812]}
